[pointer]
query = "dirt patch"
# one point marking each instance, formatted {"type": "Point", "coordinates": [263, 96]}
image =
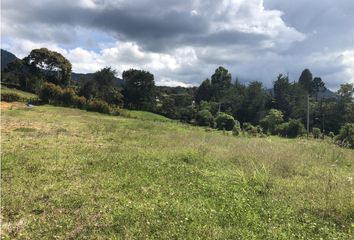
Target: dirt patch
{"type": "Point", "coordinates": [12, 105]}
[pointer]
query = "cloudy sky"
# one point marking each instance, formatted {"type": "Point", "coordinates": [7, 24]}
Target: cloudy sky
{"type": "Point", "coordinates": [183, 42]}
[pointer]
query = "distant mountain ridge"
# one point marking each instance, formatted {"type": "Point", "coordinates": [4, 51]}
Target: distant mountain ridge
{"type": "Point", "coordinates": [8, 57]}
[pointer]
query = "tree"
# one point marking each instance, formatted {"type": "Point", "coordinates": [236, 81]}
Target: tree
{"type": "Point", "coordinates": [253, 106]}
{"type": "Point", "coordinates": [282, 94]}
{"type": "Point", "coordinates": [305, 80]}
{"type": "Point", "coordinates": [139, 89]}
{"type": "Point", "coordinates": [220, 81]}
{"type": "Point", "coordinates": [317, 86]}
{"type": "Point", "coordinates": [105, 79]}
{"type": "Point", "coordinates": [53, 66]}
{"type": "Point", "coordinates": [203, 92]}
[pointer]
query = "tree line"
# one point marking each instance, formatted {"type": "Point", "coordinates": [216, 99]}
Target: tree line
{"type": "Point", "coordinates": [219, 102]}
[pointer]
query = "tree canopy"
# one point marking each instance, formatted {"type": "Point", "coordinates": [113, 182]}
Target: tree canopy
{"type": "Point", "coordinates": [54, 66]}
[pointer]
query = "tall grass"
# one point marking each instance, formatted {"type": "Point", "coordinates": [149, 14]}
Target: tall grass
{"type": "Point", "coordinates": [71, 174]}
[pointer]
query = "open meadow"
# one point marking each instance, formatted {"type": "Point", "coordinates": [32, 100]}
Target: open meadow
{"type": "Point", "coordinates": [72, 174]}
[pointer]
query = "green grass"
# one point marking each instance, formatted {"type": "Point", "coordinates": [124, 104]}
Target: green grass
{"type": "Point", "coordinates": [71, 174]}
{"type": "Point", "coordinates": [22, 94]}
{"type": "Point", "coordinates": [143, 115]}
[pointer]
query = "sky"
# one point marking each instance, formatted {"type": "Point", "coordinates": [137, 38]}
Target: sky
{"type": "Point", "coordinates": [183, 42]}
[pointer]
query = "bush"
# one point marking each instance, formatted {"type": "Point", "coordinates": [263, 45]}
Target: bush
{"type": "Point", "coordinates": [67, 96]}
{"type": "Point", "coordinates": [10, 97]}
{"type": "Point", "coordinates": [205, 118]}
{"type": "Point", "coordinates": [331, 135]}
{"type": "Point", "coordinates": [272, 120]}
{"type": "Point", "coordinates": [225, 122]}
{"type": "Point", "coordinates": [291, 129]}
{"type": "Point", "coordinates": [236, 131]}
{"type": "Point", "coordinates": [96, 105]}
{"type": "Point", "coordinates": [346, 135]}
{"type": "Point", "coordinates": [79, 102]}
{"type": "Point", "coordinates": [50, 93]}
{"type": "Point", "coordinates": [247, 126]}
{"type": "Point", "coordinates": [316, 132]}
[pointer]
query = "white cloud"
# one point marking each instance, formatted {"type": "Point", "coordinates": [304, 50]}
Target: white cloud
{"type": "Point", "coordinates": [184, 41]}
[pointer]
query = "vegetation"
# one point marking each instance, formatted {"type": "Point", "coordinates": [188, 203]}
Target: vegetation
{"type": "Point", "coordinates": [72, 174]}
{"type": "Point", "coordinates": [12, 94]}
{"type": "Point", "coordinates": [346, 135]}
{"type": "Point", "coordinates": [225, 122]}
{"type": "Point", "coordinates": [205, 118]}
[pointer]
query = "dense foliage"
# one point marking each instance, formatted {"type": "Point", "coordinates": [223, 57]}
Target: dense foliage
{"type": "Point", "coordinates": [217, 102]}
{"type": "Point", "coordinates": [225, 122]}
{"type": "Point", "coordinates": [346, 135]}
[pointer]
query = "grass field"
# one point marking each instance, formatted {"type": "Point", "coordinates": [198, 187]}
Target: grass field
{"type": "Point", "coordinates": [22, 94]}
{"type": "Point", "coordinates": [70, 174]}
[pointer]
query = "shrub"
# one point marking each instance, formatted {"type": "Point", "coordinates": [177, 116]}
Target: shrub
{"type": "Point", "coordinates": [10, 97]}
{"type": "Point", "coordinates": [253, 131]}
{"type": "Point", "coordinates": [225, 122]}
{"type": "Point", "coordinates": [247, 126]}
{"type": "Point", "coordinates": [79, 102]}
{"type": "Point", "coordinates": [97, 105]}
{"type": "Point", "coordinates": [272, 120]}
{"type": "Point", "coordinates": [250, 129]}
{"type": "Point", "coordinates": [331, 135]}
{"type": "Point", "coordinates": [205, 118]}
{"type": "Point", "coordinates": [236, 131]}
{"type": "Point", "coordinates": [316, 132]}
{"type": "Point", "coordinates": [346, 135]}
{"type": "Point", "coordinates": [291, 129]}
{"type": "Point", "coordinates": [67, 96]}
{"type": "Point", "coordinates": [50, 93]}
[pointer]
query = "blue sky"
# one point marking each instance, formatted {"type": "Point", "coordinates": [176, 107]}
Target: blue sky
{"type": "Point", "coordinates": [183, 42]}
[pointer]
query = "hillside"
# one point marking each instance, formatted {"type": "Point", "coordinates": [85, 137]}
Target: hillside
{"type": "Point", "coordinates": [77, 175]}
{"type": "Point", "coordinates": [6, 58]}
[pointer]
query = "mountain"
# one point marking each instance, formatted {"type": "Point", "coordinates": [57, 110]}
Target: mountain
{"type": "Point", "coordinates": [89, 76]}
{"type": "Point", "coordinates": [6, 58]}
{"type": "Point", "coordinates": [326, 94]}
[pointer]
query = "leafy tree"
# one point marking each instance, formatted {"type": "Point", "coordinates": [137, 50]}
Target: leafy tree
{"type": "Point", "coordinates": [53, 66]}
{"type": "Point", "coordinates": [139, 89]}
{"type": "Point", "coordinates": [104, 79]}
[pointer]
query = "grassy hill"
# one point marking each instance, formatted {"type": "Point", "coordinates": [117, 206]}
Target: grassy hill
{"type": "Point", "coordinates": [24, 95]}
{"type": "Point", "coordinates": [71, 174]}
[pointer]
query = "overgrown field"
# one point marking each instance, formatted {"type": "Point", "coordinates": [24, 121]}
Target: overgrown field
{"type": "Point", "coordinates": [70, 174]}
